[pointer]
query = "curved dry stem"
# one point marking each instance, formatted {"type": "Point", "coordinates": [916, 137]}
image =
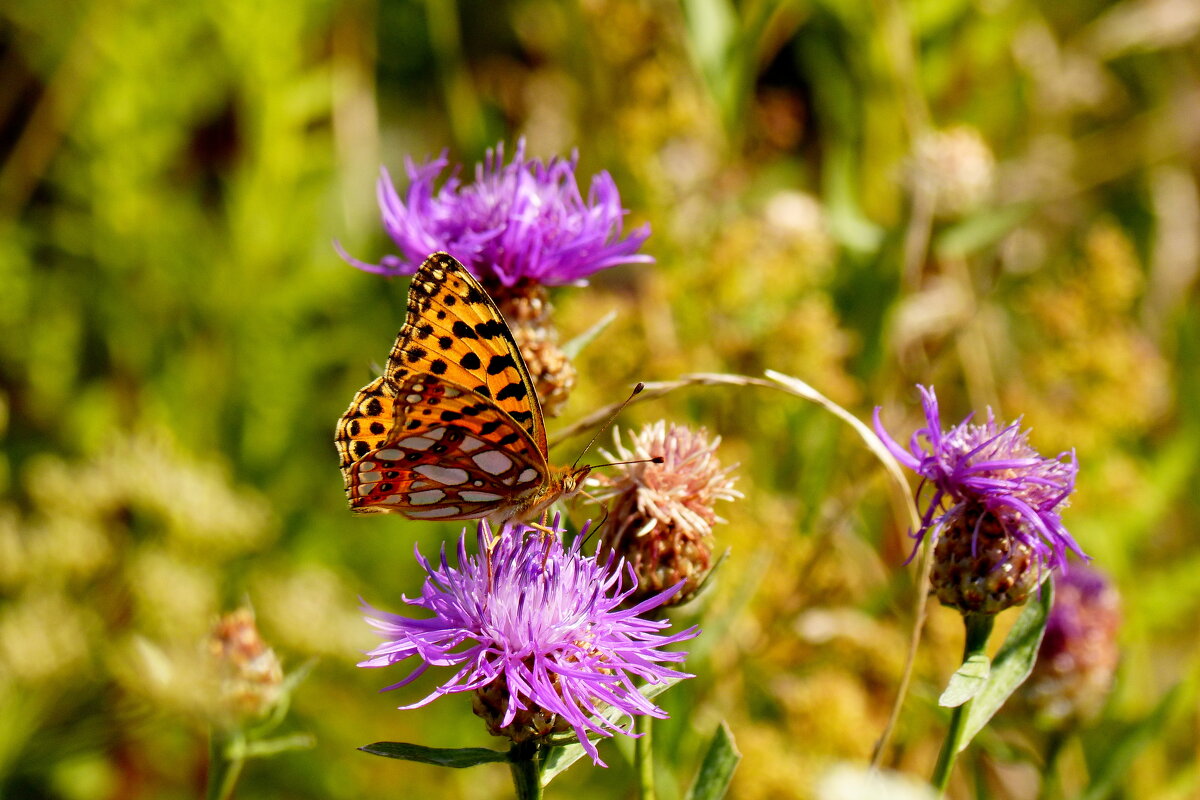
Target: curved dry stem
{"type": "Point", "coordinates": [653, 391]}
{"type": "Point", "coordinates": [802, 389]}
{"type": "Point", "coordinates": [799, 388]}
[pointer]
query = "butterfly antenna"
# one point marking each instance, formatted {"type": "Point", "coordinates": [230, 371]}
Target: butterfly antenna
{"type": "Point", "coordinates": [636, 391]}
{"type": "Point", "coordinates": [593, 530]}
{"type": "Point", "coordinates": [655, 460]}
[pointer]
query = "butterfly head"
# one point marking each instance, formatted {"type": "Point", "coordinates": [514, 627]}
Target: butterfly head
{"type": "Point", "coordinates": [572, 480]}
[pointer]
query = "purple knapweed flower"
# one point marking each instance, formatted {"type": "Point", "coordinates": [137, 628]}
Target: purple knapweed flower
{"type": "Point", "coordinates": [1078, 655]}
{"type": "Point", "coordinates": [990, 469]}
{"type": "Point", "coordinates": [522, 220]}
{"type": "Point", "coordinates": [536, 630]}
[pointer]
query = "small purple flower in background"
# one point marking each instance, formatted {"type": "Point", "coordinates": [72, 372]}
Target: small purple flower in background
{"type": "Point", "coordinates": [993, 510]}
{"type": "Point", "coordinates": [1079, 654]}
{"type": "Point", "coordinates": [522, 220]}
{"type": "Point", "coordinates": [536, 631]}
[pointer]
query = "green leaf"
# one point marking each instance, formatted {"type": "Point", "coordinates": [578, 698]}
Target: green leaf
{"type": "Point", "coordinates": [564, 755]}
{"type": "Point", "coordinates": [1012, 664]}
{"type": "Point", "coordinates": [458, 757]}
{"type": "Point", "coordinates": [573, 348]}
{"type": "Point", "coordinates": [967, 682]}
{"type": "Point", "coordinates": [716, 770]}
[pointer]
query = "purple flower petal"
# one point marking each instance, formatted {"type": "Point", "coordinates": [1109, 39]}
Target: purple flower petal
{"type": "Point", "coordinates": [525, 220]}
{"type": "Point", "coordinates": [542, 616]}
{"type": "Point", "coordinates": [993, 465]}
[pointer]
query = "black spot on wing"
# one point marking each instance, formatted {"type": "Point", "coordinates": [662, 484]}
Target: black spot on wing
{"type": "Point", "coordinates": [514, 390]}
{"type": "Point", "coordinates": [511, 438]}
{"type": "Point", "coordinates": [361, 449]}
{"type": "Point", "coordinates": [490, 329]}
{"type": "Point", "coordinates": [463, 331]}
{"type": "Point", "coordinates": [374, 407]}
{"type": "Point", "coordinates": [488, 428]}
{"type": "Point", "coordinates": [445, 342]}
{"type": "Point", "coordinates": [500, 363]}
{"type": "Point", "coordinates": [415, 354]}
{"type": "Point", "coordinates": [377, 428]}
{"type": "Point", "coordinates": [354, 428]}
{"type": "Point", "coordinates": [438, 366]}
{"type": "Point", "coordinates": [470, 361]}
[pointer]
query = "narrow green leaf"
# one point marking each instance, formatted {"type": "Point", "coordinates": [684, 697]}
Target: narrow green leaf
{"type": "Point", "coordinates": [570, 751]}
{"type": "Point", "coordinates": [967, 682]}
{"type": "Point", "coordinates": [457, 758]}
{"type": "Point", "coordinates": [1012, 664]}
{"type": "Point", "coordinates": [573, 348]}
{"type": "Point", "coordinates": [716, 770]}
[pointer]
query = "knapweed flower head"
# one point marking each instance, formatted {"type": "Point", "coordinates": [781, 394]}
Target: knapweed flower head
{"type": "Point", "coordinates": [1078, 655]}
{"type": "Point", "coordinates": [521, 221]}
{"type": "Point", "coordinates": [993, 507]}
{"type": "Point", "coordinates": [537, 631]}
{"type": "Point", "coordinates": [662, 514]}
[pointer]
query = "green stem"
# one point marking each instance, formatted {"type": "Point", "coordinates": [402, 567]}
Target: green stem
{"type": "Point", "coordinates": [979, 628]}
{"type": "Point", "coordinates": [526, 769]}
{"type": "Point", "coordinates": [1050, 775]}
{"type": "Point", "coordinates": [643, 756]}
{"type": "Point", "coordinates": [226, 756]}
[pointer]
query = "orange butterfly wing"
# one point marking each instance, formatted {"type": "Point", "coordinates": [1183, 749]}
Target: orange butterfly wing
{"type": "Point", "coordinates": [452, 455]}
{"type": "Point", "coordinates": [454, 331]}
{"type": "Point", "coordinates": [454, 355]}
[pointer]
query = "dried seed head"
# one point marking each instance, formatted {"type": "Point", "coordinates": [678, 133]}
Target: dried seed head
{"type": "Point", "coordinates": [662, 514]}
{"type": "Point", "coordinates": [249, 674]}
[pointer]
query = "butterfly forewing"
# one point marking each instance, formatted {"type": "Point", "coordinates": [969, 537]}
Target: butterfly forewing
{"type": "Point", "coordinates": [451, 454]}
{"type": "Point", "coordinates": [454, 331]}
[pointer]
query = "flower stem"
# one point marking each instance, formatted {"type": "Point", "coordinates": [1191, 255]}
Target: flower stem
{"type": "Point", "coordinates": [526, 769]}
{"type": "Point", "coordinates": [979, 628]}
{"type": "Point", "coordinates": [1051, 778]}
{"type": "Point", "coordinates": [226, 756]}
{"type": "Point", "coordinates": [643, 756]}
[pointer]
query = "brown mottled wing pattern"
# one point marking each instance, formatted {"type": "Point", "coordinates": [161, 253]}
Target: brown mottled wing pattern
{"type": "Point", "coordinates": [452, 454]}
{"type": "Point", "coordinates": [454, 331]}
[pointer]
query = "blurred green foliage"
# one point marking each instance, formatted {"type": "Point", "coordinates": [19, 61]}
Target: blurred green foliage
{"type": "Point", "coordinates": [996, 197]}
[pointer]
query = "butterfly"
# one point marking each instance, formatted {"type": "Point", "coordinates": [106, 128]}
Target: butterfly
{"type": "Point", "coordinates": [453, 428]}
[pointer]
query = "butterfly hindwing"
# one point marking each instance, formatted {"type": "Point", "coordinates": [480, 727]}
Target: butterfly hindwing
{"type": "Point", "coordinates": [367, 423]}
{"type": "Point", "coordinates": [454, 331]}
{"type": "Point", "coordinates": [451, 454]}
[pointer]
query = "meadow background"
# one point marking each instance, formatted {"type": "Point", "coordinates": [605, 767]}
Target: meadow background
{"type": "Point", "coordinates": [996, 197]}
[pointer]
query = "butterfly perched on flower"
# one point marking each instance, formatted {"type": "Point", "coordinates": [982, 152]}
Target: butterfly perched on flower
{"type": "Point", "coordinates": [453, 429]}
